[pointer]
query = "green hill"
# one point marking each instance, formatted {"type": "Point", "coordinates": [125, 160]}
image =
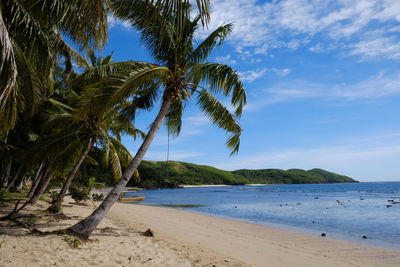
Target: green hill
{"type": "Point", "coordinates": [157, 174]}
{"type": "Point", "coordinates": [292, 176]}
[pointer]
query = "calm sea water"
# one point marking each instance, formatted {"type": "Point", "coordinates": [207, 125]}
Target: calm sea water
{"type": "Point", "coordinates": [347, 211]}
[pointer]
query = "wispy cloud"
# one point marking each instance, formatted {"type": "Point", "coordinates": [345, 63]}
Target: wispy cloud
{"type": "Point", "coordinates": [282, 72]}
{"type": "Point", "coordinates": [114, 22]}
{"type": "Point", "coordinates": [349, 158]}
{"type": "Point", "coordinates": [388, 47]}
{"type": "Point", "coordinates": [227, 60]}
{"type": "Point", "coordinates": [173, 155]}
{"type": "Point", "coordinates": [381, 85]}
{"type": "Point", "coordinates": [196, 120]}
{"type": "Point", "coordinates": [347, 25]}
{"type": "Point", "coordinates": [252, 75]}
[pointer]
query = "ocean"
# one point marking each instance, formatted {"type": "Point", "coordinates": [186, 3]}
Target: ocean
{"type": "Point", "coordinates": [360, 212]}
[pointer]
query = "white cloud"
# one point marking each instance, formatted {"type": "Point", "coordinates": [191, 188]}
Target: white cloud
{"type": "Point", "coordinates": [388, 47]}
{"type": "Point", "coordinates": [317, 48]}
{"type": "Point", "coordinates": [114, 22]}
{"type": "Point", "coordinates": [197, 120]}
{"type": "Point", "coordinates": [173, 155]}
{"type": "Point", "coordinates": [282, 72]}
{"type": "Point", "coordinates": [345, 24]}
{"type": "Point", "coordinates": [379, 153]}
{"type": "Point", "coordinates": [381, 85]}
{"type": "Point", "coordinates": [252, 75]}
{"type": "Point", "coordinates": [226, 60]}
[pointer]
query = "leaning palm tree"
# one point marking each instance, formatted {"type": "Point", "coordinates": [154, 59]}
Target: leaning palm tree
{"type": "Point", "coordinates": [179, 76]}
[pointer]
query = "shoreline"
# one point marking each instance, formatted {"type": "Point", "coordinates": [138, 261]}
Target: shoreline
{"type": "Point", "coordinates": [218, 185]}
{"type": "Point", "coordinates": [181, 238]}
{"type": "Point", "coordinates": [252, 243]}
{"type": "Point", "coordinates": [379, 244]}
{"type": "Point", "coordinates": [204, 185]}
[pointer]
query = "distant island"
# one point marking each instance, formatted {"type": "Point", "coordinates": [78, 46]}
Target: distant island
{"type": "Point", "coordinates": [160, 174]}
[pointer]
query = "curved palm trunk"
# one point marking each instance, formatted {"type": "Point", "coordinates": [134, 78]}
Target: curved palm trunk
{"type": "Point", "coordinates": [85, 227]}
{"type": "Point", "coordinates": [44, 182]}
{"type": "Point", "coordinates": [71, 176]}
{"type": "Point", "coordinates": [14, 178]}
{"type": "Point", "coordinates": [6, 175]}
{"type": "Point", "coordinates": [18, 185]}
{"type": "Point", "coordinates": [36, 181]}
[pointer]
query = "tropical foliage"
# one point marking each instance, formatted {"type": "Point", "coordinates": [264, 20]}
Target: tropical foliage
{"type": "Point", "coordinates": [156, 174]}
{"type": "Point", "coordinates": [54, 116]}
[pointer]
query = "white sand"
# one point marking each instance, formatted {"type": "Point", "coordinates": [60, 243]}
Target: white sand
{"type": "Point", "coordinates": [182, 239]}
{"type": "Point", "coordinates": [205, 185]}
{"type": "Point", "coordinates": [254, 244]}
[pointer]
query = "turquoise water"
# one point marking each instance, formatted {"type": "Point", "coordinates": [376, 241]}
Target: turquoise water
{"type": "Point", "coordinates": [347, 211]}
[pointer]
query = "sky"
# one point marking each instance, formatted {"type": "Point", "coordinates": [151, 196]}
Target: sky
{"type": "Point", "coordinates": [323, 86]}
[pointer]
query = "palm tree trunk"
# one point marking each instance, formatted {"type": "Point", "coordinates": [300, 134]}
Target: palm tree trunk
{"type": "Point", "coordinates": [6, 174]}
{"type": "Point", "coordinates": [18, 184]}
{"type": "Point", "coordinates": [44, 182]}
{"type": "Point", "coordinates": [71, 176]}
{"type": "Point", "coordinates": [14, 178]}
{"type": "Point", "coordinates": [85, 227]}
{"type": "Point", "coordinates": [37, 179]}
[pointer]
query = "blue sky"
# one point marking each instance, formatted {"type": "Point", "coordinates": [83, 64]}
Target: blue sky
{"type": "Point", "coordinates": [323, 85]}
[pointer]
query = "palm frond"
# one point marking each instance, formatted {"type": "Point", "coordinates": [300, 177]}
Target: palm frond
{"type": "Point", "coordinates": [204, 49]}
{"type": "Point", "coordinates": [119, 87]}
{"type": "Point", "coordinates": [221, 117]}
{"type": "Point", "coordinates": [68, 52]}
{"type": "Point", "coordinates": [100, 72]}
{"type": "Point", "coordinates": [221, 78]}
{"type": "Point", "coordinates": [8, 66]}
{"type": "Point", "coordinates": [174, 117]}
{"type": "Point", "coordinates": [83, 21]}
{"type": "Point", "coordinates": [92, 161]}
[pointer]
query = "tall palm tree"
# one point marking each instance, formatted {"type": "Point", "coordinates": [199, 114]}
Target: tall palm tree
{"type": "Point", "coordinates": [179, 76]}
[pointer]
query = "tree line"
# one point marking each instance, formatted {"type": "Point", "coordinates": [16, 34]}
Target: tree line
{"type": "Point", "coordinates": [58, 104]}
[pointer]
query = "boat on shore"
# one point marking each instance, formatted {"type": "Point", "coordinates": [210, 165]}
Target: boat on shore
{"type": "Point", "coordinates": [127, 196]}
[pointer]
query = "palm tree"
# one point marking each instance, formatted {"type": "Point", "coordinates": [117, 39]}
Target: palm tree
{"type": "Point", "coordinates": [32, 38]}
{"type": "Point", "coordinates": [179, 77]}
{"type": "Point", "coordinates": [103, 128]}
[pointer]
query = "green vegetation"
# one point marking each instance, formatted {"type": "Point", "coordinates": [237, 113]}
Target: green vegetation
{"type": "Point", "coordinates": [7, 196]}
{"type": "Point", "coordinates": [292, 176]}
{"type": "Point", "coordinates": [72, 241]}
{"type": "Point", "coordinates": [97, 197]}
{"type": "Point", "coordinates": [162, 175]}
{"type": "Point", "coordinates": [59, 106]}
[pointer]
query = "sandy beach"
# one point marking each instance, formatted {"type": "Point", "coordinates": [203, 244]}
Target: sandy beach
{"type": "Point", "coordinates": [181, 238]}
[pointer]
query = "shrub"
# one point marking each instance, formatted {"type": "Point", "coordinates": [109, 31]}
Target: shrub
{"type": "Point", "coordinates": [79, 193]}
{"type": "Point", "coordinates": [73, 242]}
{"type": "Point", "coordinates": [97, 197]}
{"type": "Point", "coordinates": [56, 207]}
